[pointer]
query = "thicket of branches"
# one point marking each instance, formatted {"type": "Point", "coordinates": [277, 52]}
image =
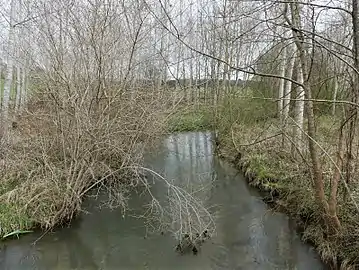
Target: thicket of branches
{"type": "Point", "coordinates": [95, 102]}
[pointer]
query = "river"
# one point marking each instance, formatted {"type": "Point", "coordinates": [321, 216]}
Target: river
{"type": "Point", "coordinates": [248, 234]}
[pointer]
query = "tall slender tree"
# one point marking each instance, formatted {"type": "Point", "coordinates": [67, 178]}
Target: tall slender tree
{"type": "Point", "coordinates": [10, 64]}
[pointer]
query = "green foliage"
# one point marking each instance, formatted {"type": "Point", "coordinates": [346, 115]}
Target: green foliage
{"type": "Point", "coordinates": [13, 219]}
{"type": "Point", "coordinates": [244, 111]}
{"type": "Point", "coordinates": [190, 120]}
{"type": "Point", "coordinates": [260, 164]}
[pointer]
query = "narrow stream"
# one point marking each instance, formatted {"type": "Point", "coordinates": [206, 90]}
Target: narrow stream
{"type": "Point", "coordinates": [249, 235]}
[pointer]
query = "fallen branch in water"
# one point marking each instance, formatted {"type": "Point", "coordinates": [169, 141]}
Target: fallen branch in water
{"type": "Point", "coordinates": [184, 216]}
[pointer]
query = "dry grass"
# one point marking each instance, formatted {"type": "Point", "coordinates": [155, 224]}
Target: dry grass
{"type": "Point", "coordinates": [64, 146]}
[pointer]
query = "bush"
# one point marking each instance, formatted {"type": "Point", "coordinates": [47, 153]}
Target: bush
{"type": "Point", "coordinates": [64, 146]}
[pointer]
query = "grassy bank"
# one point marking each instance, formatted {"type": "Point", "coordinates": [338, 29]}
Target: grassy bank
{"type": "Point", "coordinates": [190, 119]}
{"type": "Point", "coordinates": [252, 142]}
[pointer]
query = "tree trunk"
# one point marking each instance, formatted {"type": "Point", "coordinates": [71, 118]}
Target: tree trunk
{"type": "Point", "coordinates": [334, 223]}
{"type": "Point", "coordinates": [299, 109]}
{"type": "Point", "coordinates": [10, 67]}
{"type": "Point", "coordinates": [281, 83]}
{"type": "Point", "coordinates": [287, 90]}
{"type": "Point", "coordinates": [23, 88]}
{"type": "Point", "coordinates": [352, 111]}
{"type": "Point", "coordinates": [335, 94]}
{"type": "Point", "coordinates": [331, 220]}
{"type": "Point", "coordinates": [18, 89]}
{"type": "Point", "coordinates": [191, 76]}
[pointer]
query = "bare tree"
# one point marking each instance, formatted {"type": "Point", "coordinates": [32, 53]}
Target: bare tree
{"type": "Point", "coordinates": [10, 64]}
{"type": "Point", "coordinates": [288, 84]}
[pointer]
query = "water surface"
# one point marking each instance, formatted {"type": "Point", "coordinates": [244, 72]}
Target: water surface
{"type": "Point", "coordinates": [249, 235]}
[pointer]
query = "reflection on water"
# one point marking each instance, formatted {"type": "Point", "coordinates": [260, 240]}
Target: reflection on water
{"type": "Point", "coordinates": [249, 236]}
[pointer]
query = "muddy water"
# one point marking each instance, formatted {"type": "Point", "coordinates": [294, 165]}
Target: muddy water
{"type": "Point", "coordinates": [249, 235]}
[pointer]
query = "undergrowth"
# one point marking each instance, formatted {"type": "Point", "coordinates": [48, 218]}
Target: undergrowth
{"type": "Point", "coordinates": [62, 148]}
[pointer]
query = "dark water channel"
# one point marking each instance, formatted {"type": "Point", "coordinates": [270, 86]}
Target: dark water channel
{"type": "Point", "coordinates": [249, 235]}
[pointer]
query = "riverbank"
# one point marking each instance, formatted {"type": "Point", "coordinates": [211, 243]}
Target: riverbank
{"type": "Point", "coordinates": [286, 185]}
{"type": "Point", "coordinates": [250, 138]}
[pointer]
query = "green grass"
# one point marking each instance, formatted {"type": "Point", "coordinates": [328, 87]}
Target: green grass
{"type": "Point", "coordinates": [13, 219]}
{"type": "Point", "coordinates": [13, 216]}
{"type": "Point", "coordinates": [189, 119]}
{"type": "Point", "coordinates": [262, 166]}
